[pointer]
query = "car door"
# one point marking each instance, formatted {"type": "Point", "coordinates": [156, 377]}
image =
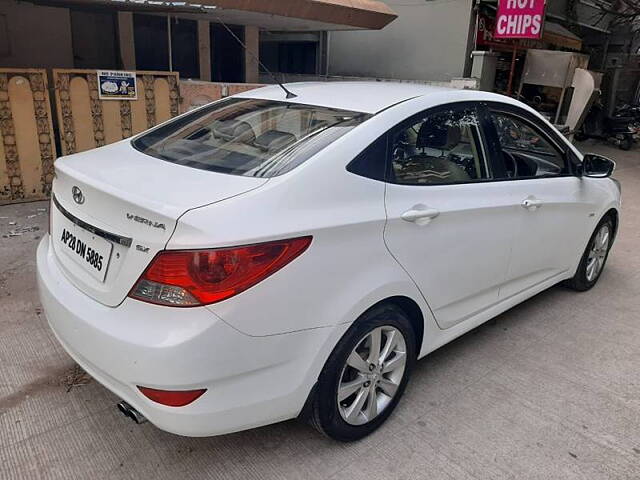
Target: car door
{"type": "Point", "coordinates": [448, 224]}
{"type": "Point", "coordinates": [552, 203]}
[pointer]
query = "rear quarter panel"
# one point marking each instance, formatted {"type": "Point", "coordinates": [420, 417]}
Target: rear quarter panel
{"type": "Point", "coordinates": [345, 270]}
{"type": "Point", "coordinates": [347, 267]}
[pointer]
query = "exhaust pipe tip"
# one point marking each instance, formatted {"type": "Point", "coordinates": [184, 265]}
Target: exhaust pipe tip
{"type": "Point", "coordinates": [128, 411]}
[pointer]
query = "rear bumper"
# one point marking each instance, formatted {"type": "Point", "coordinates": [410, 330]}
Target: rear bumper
{"type": "Point", "coordinates": [250, 381]}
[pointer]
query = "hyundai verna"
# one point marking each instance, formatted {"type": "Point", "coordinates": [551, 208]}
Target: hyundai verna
{"type": "Point", "coordinates": [263, 258]}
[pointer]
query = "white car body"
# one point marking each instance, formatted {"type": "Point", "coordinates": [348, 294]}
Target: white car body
{"type": "Point", "coordinates": [259, 353]}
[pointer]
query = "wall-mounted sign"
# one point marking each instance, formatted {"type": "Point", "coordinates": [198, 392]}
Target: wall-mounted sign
{"type": "Point", "coordinates": [519, 19]}
{"type": "Point", "coordinates": [117, 85]}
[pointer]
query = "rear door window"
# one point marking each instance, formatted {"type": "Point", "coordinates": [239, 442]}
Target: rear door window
{"type": "Point", "coordinates": [250, 137]}
{"type": "Point", "coordinates": [440, 147]}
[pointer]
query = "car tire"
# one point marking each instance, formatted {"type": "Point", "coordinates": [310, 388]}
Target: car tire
{"type": "Point", "coordinates": [580, 136]}
{"type": "Point", "coordinates": [626, 143]}
{"type": "Point", "coordinates": [355, 416]}
{"type": "Point", "coordinates": [585, 277]}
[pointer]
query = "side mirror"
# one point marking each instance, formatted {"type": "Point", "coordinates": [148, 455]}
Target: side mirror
{"type": "Point", "coordinates": [597, 166]}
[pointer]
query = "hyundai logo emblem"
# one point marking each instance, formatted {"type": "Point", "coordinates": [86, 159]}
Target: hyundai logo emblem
{"type": "Point", "coordinates": [77, 194]}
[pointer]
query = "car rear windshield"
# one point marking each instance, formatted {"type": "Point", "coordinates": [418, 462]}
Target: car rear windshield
{"type": "Point", "coordinates": [250, 137]}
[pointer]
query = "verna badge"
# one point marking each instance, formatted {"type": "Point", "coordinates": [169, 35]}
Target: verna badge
{"type": "Point", "coordinates": [146, 221]}
{"type": "Point", "coordinates": [77, 194]}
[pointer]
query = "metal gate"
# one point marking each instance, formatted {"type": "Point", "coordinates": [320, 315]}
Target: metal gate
{"type": "Point", "coordinates": [85, 121]}
{"type": "Point", "coordinates": [27, 148]}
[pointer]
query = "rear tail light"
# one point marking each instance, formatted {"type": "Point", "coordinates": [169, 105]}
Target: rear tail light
{"type": "Point", "coordinates": [172, 398]}
{"type": "Point", "coordinates": [187, 278]}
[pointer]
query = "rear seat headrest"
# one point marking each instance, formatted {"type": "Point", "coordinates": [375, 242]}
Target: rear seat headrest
{"type": "Point", "coordinates": [274, 140]}
{"type": "Point", "coordinates": [234, 130]}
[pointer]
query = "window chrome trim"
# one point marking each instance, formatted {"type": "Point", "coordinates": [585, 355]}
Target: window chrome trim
{"type": "Point", "coordinates": [112, 237]}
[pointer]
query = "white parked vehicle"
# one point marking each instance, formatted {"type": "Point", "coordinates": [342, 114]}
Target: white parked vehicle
{"type": "Point", "coordinates": [263, 258]}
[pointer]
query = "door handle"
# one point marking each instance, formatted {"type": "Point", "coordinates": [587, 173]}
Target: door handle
{"type": "Point", "coordinates": [531, 203]}
{"type": "Point", "coordinates": [420, 215]}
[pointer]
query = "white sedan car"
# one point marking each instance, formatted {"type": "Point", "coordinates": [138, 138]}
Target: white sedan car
{"type": "Point", "coordinates": [264, 258]}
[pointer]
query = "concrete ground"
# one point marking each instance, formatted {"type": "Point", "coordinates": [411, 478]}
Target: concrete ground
{"type": "Point", "coordinates": [550, 389]}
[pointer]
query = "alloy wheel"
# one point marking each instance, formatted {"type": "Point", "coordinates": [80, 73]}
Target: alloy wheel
{"type": "Point", "coordinates": [372, 374]}
{"type": "Point", "coordinates": [598, 252]}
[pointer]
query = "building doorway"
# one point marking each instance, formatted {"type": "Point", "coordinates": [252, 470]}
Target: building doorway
{"type": "Point", "coordinates": [227, 55]}
{"type": "Point", "coordinates": [290, 57]}
{"type": "Point", "coordinates": [93, 36]}
{"type": "Point", "coordinates": [152, 45]}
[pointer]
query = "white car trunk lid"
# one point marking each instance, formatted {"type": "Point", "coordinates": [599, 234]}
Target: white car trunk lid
{"type": "Point", "coordinates": [122, 205]}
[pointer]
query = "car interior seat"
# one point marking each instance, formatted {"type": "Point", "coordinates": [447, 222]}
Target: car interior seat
{"type": "Point", "coordinates": [434, 141]}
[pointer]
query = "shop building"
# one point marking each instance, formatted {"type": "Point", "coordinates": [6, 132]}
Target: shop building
{"type": "Point", "coordinates": [57, 57]}
{"type": "Point", "coordinates": [186, 37]}
{"type": "Point", "coordinates": [434, 40]}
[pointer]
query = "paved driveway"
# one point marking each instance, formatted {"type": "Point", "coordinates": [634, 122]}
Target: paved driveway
{"type": "Point", "coordinates": [550, 389]}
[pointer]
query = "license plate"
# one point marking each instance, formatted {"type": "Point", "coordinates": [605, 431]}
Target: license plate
{"type": "Point", "coordinates": [88, 250]}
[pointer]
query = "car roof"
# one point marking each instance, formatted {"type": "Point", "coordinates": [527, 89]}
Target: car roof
{"type": "Point", "coordinates": [368, 97]}
{"type": "Point", "coordinates": [373, 97]}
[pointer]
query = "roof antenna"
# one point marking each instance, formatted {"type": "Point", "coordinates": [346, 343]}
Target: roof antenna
{"type": "Point", "coordinates": [289, 93]}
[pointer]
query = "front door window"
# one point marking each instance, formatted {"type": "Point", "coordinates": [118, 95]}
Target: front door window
{"type": "Point", "coordinates": [526, 153]}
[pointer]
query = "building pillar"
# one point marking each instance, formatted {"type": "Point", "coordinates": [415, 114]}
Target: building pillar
{"type": "Point", "coordinates": [204, 50]}
{"type": "Point", "coordinates": [471, 40]}
{"type": "Point", "coordinates": [126, 40]}
{"type": "Point", "coordinates": [323, 54]}
{"type": "Point", "coordinates": [252, 40]}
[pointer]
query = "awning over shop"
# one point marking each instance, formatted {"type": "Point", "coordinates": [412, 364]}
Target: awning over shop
{"type": "Point", "coordinates": [556, 34]}
{"type": "Point", "coordinates": [273, 15]}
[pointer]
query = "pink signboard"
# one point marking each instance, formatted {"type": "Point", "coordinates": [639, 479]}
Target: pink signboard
{"type": "Point", "coordinates": [519, 19]}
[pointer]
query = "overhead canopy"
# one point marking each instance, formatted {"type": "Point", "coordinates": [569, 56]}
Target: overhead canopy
{"type": "Point", "coordinates": [556, 34]}
{"type": "Point", "coordinates": [269, 14]}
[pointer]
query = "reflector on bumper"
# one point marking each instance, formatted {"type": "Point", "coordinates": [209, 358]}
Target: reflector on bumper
{"type": "Point", "coordinates": [172, 398]}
